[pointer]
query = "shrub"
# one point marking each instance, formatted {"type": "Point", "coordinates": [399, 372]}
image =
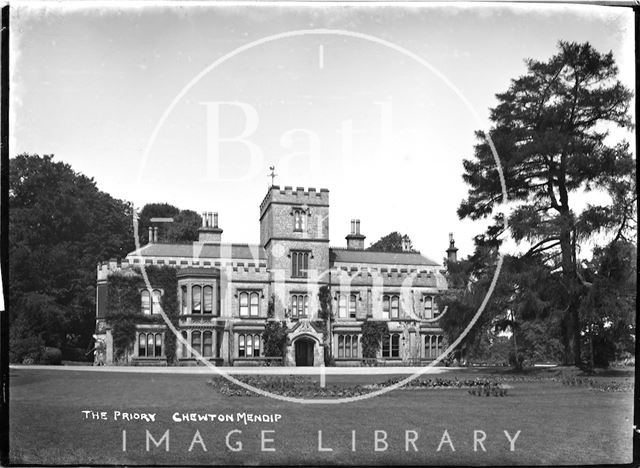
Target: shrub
{"type": "Point", "coordinates": [52, 356]}
{"type": "Point", "coordinates": [27, 350]}
{"type": "Point", "coordinates": [372, 333]}
{"type": "Point", "coordinates": [274, 338]}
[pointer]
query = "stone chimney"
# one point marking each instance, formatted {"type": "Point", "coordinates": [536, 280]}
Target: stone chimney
{"type": "Point", "coordinates": [452, 251]}
{"type": "Point", "coordinates": [355, 240]}
{"type": "Point", "coordinates": [209, 232]}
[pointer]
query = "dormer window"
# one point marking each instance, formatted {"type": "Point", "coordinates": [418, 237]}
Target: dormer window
{"type": "Point", "coordinates": [299, 219]}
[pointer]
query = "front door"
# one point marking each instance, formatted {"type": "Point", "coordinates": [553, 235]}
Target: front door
{"type": "Point", "coordinates": [304, 352]}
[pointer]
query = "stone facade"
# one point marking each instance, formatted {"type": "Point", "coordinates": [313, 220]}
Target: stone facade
{"type": "Point", "coordinates": [224, 291]}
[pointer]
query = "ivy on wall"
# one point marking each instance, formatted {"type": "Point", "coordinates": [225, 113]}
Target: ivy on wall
{"type": "Point", "coordinates": [372, 333]}
{"type": "Point", "coordinates": [124, 306]}
{"type": "Point", "coordinates": [274, 335]}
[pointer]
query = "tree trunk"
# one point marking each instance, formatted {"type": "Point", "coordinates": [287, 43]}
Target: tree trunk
{"type": "Point", "coordinates": [571, 318]}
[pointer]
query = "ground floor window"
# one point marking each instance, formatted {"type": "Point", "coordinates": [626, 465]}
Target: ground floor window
{"type": "Point", "coordinates": [150, 344]}
{"type": "Point", "coordinates": [391, 345]}
{"type": "Point", "coordinates": [248, 345]}
{"type": "Point", "coordinates": [202, 343]}
{"type": "Point", "coordinates": [432, 346]}
{"type": "Point", "coordinates": [347, 346]}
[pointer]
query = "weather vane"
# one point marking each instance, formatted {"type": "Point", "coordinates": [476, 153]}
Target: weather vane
{"type": "Point", "coordinates": [273, 174]}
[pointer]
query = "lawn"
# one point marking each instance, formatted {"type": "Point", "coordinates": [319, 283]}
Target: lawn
{"type": "Point", "coordinates": [558, 424]}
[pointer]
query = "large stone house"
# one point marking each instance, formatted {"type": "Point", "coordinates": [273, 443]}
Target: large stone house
{"type": "Point", "coordinates": [223, 291]}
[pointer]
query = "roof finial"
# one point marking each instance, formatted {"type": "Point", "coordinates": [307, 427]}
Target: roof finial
{"type": "Point", "coordinates": [273, 174]}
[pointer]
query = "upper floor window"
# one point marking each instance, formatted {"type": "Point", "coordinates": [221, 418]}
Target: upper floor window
{"type": "Point", "coordinates": [390, 306]}
{"type": "Point", "coordinates": [299, 264]}
{"type": "Point", "coordinates": [150, 303]}
{"type": "Point", "coordinates": [196, 299]}
{"type": "Point", "coordinates": [207, 302]}
{"type": "Point", "coordinates": [299, 305]}
{"type": "Point", "coordinates": [184, 304]}
{"type": "Point", "coordinates": [299, 217]}
{"type": "Point", "coordinates": [249, 304]}
{"type": "Point", "coordinates": [342, 306]}
{"type": "Point", "coordinates": [353, 300]}
{"type": "Point", "coordinates": [428, 306]}
{"type": "Point", "coordinates": [201, 299]}
{"type": "Point", "coordinates": [391, 345]}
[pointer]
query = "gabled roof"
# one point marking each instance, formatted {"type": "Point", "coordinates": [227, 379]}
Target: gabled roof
{"type": "Point", "coordinates": [201, 250]}
{"type": "Point", "coordinates": [372, 256]}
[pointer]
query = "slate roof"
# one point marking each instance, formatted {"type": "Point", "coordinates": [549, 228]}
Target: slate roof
{"type": "Point", "coordinates": [194, 250]}
{"type": "Point", "coordinates": [372, 256]}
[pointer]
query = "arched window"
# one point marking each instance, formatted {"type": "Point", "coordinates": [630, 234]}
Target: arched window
{"type": "Point", "coordinates": [196, 306]}
{"type": "Point", "coordinates": [386, 306]}
{"type": "Point", "coordinates": [155, 308]}
{"type": "Point", "coordinates": [158, 350]}
{"type": "Point", "coordinates": [248, 346]}
{"type": "Point", "coordinates": [438, 345]}
{"type": "Point", "coordinates": [207, 293]}
{"type": "Point", "coordinates": [294, 306]}
{"type": "Point", "coordinates": [244, 304]}
{"type": "Point", "coordinates": [354, 345]}
{"type": "Point", "coordinates": [306, 305]}
{"type": "Point", "coordinates": [207, 342]}
{"type": "Point", "coordinates": [340, 346]}
{"type": "Point", "coordinates": [142, 345]}
{"type": "Point", "coordinates": [352, 305]}
{"type": "Point", "coordinates": [428, 306]}
{"type": "Point", "coordinates": [150, 343]}
{"type": "Point", "coordinates": [299, 264]}
{"type": "Point", "coordinates": [427, 346]}
{"type": "Point", "coordinates": [184, 305]}
{"type": "Point", "coordinates": [342, 306]}
{"type": "Point", "coordinates": [298, 220]}
{"type": "Point", "coordinates": [184, 345]}
{"type": "Point", "coordinates": [249, 341]}
{"type": "Point", "coordinates": [394, 306]}
{"type": "Point", "coordinates": [395, 345]}
{"type": "Point", "coordinates": [241, 348]}
{"type": "Point", "coordinates": [391, 345]}
{"type": "Point", "coordinates": [196, 341]}
{"type": "Point", "coordinates": [145, 298]}
{"type": "Point", "coordinates": [255, 307]}
{"type": "Point", "coordinates": [256, 345]}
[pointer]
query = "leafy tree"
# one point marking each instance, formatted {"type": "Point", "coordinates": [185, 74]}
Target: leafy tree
{"type": "Point", "coordinates": [550, 130]}
{"type": "Point", "coordinates": [184, 227]}
{"type": "Point", "coordinates": [393, 242]}
{"type": "Point", "coordinates": [608, 310]}
{"type": "Point", "coordinates": [60, 227]}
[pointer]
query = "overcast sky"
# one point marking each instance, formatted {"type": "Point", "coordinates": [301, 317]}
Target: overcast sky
{"type": "Point", "coordinates": [378, 104]}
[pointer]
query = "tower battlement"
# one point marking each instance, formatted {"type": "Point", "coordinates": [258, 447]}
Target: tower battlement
{"type": "Point", "coordinates": [299, 195]}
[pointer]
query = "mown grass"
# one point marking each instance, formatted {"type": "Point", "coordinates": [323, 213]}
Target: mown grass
{"type": "Point", "coordinates": [559, 424]}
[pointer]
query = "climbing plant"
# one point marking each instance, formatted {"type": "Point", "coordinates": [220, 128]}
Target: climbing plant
{"type": "Point", "coordinates": [372, 333]}
{"type": "Point", "coordinates": [274, 335]}
{"type": "Point", "coordinates": [124, 306]}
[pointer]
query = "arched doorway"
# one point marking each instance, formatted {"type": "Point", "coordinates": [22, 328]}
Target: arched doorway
{"type": "Point", "coordinates": [304, 351]}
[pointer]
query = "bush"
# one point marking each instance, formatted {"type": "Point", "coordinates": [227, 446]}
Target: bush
{"type": "Point", "coordinates": [28, 350]}
{"type": "Point", "coordinates": [52, 356]}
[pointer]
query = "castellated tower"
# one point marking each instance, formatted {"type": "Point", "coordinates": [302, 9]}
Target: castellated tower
{"type": "Point", "coordinates": [294, 231]}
